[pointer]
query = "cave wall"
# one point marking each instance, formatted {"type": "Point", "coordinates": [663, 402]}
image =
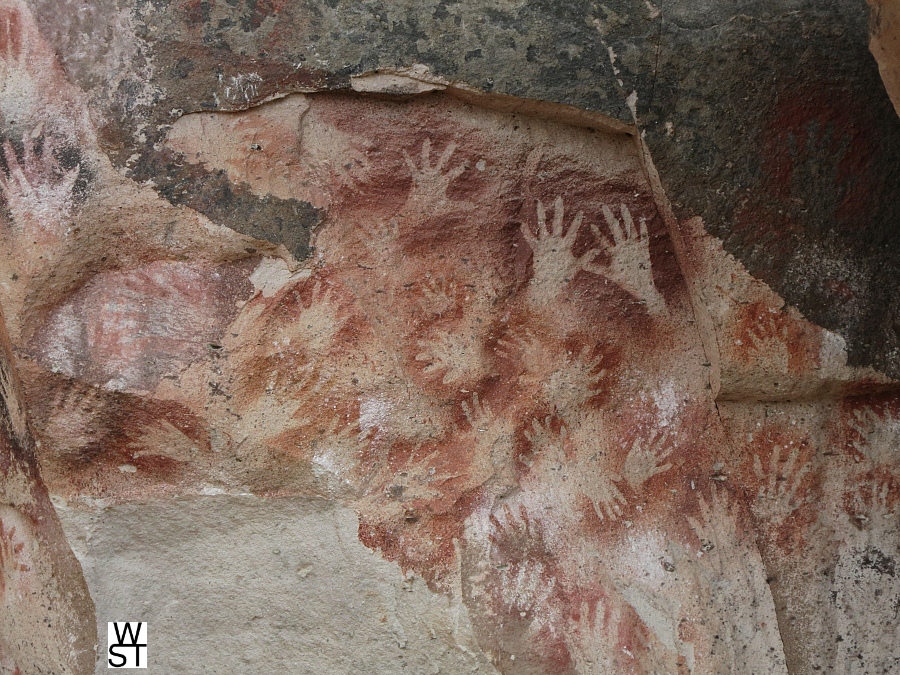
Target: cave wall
{"type": "Point", "coordinates": [530, 338]}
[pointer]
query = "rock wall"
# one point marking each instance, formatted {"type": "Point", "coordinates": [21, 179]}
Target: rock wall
{"type": "Point", "coordinates": [342, 356]}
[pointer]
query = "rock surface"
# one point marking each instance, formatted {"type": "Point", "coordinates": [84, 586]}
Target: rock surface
{"type": "Point", "coordinates": [276, 271]}
{"type": "Point", "coordinates": [46, 613]}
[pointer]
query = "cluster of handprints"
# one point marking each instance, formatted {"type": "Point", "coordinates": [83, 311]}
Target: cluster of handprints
{"type": "Point", "coordinates": [568, 462]}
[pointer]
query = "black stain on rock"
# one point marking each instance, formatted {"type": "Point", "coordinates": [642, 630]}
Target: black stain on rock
{"type": "Point", "coordinates": [282, 221]}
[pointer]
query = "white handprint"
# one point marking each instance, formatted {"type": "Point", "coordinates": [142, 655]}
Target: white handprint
{"type": "Point", "coordinates": [431, 181]}
{"type": "Point", "coordinates": [554, 264]}
{"type": "Point", "coordinates": [645, 459]}
{"type": "Point", "coordinates": [319, 321]}
{"type": "Point", "coordinates": [776, 498]}
{"type": "Point", "coordinates": [574, 381]}
{"type": "Point", "coordinates": [866, 590]}
{"type": "Point", "coordinates": [455, 354]}
{"type": "Point", "coordinates": [879, 435]}
{"type": "Point", "coordinates": [438, 295]}
{"type": "Point", "coordinates": [565, 479]}
{"type": "Point", "coordinates": [629, 258]}
{"type": "Point", "coordinates": [494, 437]}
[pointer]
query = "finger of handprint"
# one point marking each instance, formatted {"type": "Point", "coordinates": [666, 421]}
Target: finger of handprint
{"type": "Point", "coordinates": [586, 261]}
{"type": "Point", "coordinates": [790, 462]}
{"type": "Point", "coordinates": [446, 155]}
{"type": "Point", "coordinates": [629, 222]}
{"type": "Point", "coordinates": [574, 228]}
{"type": "Point", "coordinates": [476, 404]}
{"type": "Point", "coordinates": [614, 227]}
{"type": "Point", "coordinates": [9, 154]}
{"type": "Point", "coordinates": [558, 211]}
{"type": "Point", "coordinates": [661, 469]}
{"type": "Point", "coordinates": [426, 154]}
{"type": "Point", "coordinates": [644, 236]}
{"type": "Point", "coordinates": [532, 161]}
{"type": "Point", "coordinates": [456, 172]}
{"type": "Point", "coordinates": [411, 165]}
{"type": "Point", "coordinates": [529, 235]}
{"type": "Point", "coordinates": [9, 35]}
{"type": "Point", "coordinates": [28, 154]}
{"type": "Point", "coordinates": [791, 489]}
{"type": "Point", "coordinates": [883, 494]}
{"type": "Point", "coordinates": [468, 413]}
{"type": "Point", "coordinates": [541, 218]}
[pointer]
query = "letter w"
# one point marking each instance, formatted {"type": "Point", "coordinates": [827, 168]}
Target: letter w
{"type": "Point", "coordinates": [120, 637]}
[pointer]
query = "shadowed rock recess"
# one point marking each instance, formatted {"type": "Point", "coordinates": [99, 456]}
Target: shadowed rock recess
{"type": "Point", "coordinates": [442, 337]}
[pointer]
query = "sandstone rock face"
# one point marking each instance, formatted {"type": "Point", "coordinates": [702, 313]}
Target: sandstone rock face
{"type": "Point", "coordinates": [383, 371]}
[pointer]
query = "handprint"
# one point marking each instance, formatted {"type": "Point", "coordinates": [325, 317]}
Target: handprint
{"type": "Point", "coordinates": [574, 381]}
{"type": "Point", "coordinates": [319, 321]}
{"type": "Point", "coordinates": [878, 435]}
{"type": "Point", "coordinates": [866, 585]}
{"type": "Point", "coordinates": [544, 440]}
{"type": "Point", "coordinates": [478, 414]}
{"type": "Point", "coordinates": [455, 354]}
{"type": "Point", "coordinates": [872, 505]}
{"type": "Point", "coordinates": [645, 459]}
{"type": "Point", "coordinates": [599, 486]}
{"type": "Point", "coordinates": [418, 480]}
{"type": "Point", "coordinates": [336, 448]}
{"type": "Point", "coordinates": [767, 328]}
{"type": "Point", "coordinates": [494, 438]}
{"type": "Point", "coordinates": [431, 181]}
{"type": "Point", "coordinates": [629, 258]}
{"type": "Point", "coordinates": [528, 348]}
{"type": "Point", "coordinates": [594, 639]}
{"type": "Point", "coordinates": [37, 191]}
{"type": "Point", "coordinates": [567, 479]}
{"type": "Point", "coordinates": [265, 412]}
{"type": "Point", "coordinates": [15, 535]}
{"type": "Point", "coordinates": [554, 264]}
{"type": "Point", "coordinates": [438, 295]}
{"type": "Point", "coordinates": [527, 585]}
{"type": "Point", "coordinates": [776, 498]}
